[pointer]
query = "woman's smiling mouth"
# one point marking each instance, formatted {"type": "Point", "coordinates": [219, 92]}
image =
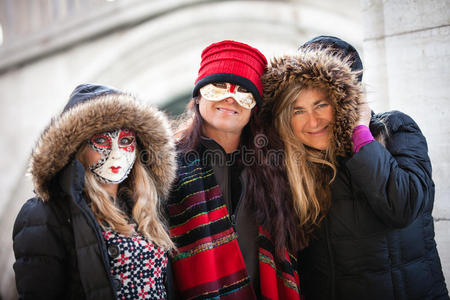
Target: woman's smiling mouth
{"type": "Point", "coordinates": [322, 131]}
{"type": "Point", "coordinates": [227, 110]}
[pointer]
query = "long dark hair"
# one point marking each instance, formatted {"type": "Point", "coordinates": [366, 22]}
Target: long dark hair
{"type": "Point", "coordinates": [269, 196]}
{"type": "Point", "coordinates": [189, 127]}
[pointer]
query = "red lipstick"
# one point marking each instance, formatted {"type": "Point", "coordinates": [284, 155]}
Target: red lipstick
{"type": "Point", "coordinates": [115, 169]}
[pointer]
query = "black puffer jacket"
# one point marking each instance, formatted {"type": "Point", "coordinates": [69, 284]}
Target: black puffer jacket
{"type": "Point", "coordinates": [59, 248]}
{"type": "Point", "coordinates": [377, 241]}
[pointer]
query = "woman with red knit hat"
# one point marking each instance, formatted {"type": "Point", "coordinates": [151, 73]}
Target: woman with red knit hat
{"type": "Point", "coordinates": [222, 252]}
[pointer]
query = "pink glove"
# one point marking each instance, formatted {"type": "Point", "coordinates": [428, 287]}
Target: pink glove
{"type": "Point", "coordinates": [361, 136]}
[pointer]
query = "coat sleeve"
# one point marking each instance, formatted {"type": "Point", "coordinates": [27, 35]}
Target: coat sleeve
{"type": "Point", "coordinates": [40, 254]}
{"type": "Point", "coordinates": [395, 180]}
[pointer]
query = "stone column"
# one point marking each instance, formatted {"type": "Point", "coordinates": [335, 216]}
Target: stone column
{"type": "Point", "coordinates": [407, 68]}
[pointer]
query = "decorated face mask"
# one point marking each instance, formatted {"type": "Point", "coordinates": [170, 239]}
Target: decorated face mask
{"type": "Point", "coordinates": [223, 90]}
{"type": "Point", "coordinates": [118, 153]}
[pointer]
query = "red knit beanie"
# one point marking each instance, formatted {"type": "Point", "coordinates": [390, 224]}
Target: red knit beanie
{"type": "Point", "coordinates": [233, 62]}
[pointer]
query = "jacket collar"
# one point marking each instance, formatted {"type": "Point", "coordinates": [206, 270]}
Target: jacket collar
{"type": "Point", "coordinates": [71, 180]}
{"type": "Point", "coordinates": [211, 144]}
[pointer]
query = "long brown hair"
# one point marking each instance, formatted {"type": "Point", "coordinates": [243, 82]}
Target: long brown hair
{"type": "Point", "coordinates": [309, 171]}
{"type": "Point", "coordinates": [269, 196]}
{"type": "Point", "coordinates": [290, 190]}
{"type": "Point", "coordinates": [188, 127]}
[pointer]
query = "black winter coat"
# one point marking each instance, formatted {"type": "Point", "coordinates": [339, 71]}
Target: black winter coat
{"type": "Point", "coordinates": [59, 247]}
{"type": "Point", "coordinates": [60, 251]}
{"type": "Point", "coordinates": [377, 241]}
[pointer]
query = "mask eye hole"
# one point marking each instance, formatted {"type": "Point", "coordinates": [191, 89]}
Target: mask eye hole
{"type": "Point", "coordinates": [126, 141]}
{"type": "Point", "coordinates": [242, 90]}
{"type": "Point", "coordinates": [220, 85]}
{"type": "Point", "coordinates": [101, 140]}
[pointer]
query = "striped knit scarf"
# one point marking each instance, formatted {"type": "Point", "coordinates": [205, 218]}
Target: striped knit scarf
{"type": "Point", "coordinates": [209, 263]}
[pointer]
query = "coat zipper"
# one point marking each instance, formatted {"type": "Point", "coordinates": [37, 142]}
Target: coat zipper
{"type": "Point", "coordinates": [105, 256]}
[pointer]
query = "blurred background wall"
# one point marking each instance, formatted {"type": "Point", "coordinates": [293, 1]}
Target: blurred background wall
{"type": "Point", "coordinates": [152, 49]}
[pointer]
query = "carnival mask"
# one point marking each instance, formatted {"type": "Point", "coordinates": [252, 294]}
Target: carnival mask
{"type": "Point", "coordinates": [223, 90]}
{"type": "Point", "coordinates": [118, 153]}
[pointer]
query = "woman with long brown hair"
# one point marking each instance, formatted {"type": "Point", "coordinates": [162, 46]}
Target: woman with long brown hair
{"type": "Point", "coordinates": [363, 204]}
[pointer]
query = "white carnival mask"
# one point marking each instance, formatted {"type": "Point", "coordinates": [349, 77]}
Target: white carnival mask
{"type": "Point", "coordinates": [223, 90]}
{"type": "Point", "coordinates": [118, 154]}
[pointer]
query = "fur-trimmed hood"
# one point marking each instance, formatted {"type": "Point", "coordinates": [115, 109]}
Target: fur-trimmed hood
{"type": "Point", "coordinates": [314, 67]}
{"type": "Point", "coordinates": [93, 109]}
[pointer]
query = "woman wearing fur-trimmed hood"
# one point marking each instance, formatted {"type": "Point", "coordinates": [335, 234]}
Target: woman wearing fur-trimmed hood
{"type": "Point", "coordinates": [363, 207]}
{"type": "Point", "coordinates": [286, 77]}
{"type": "Point", "coordinates": [94, 229]}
